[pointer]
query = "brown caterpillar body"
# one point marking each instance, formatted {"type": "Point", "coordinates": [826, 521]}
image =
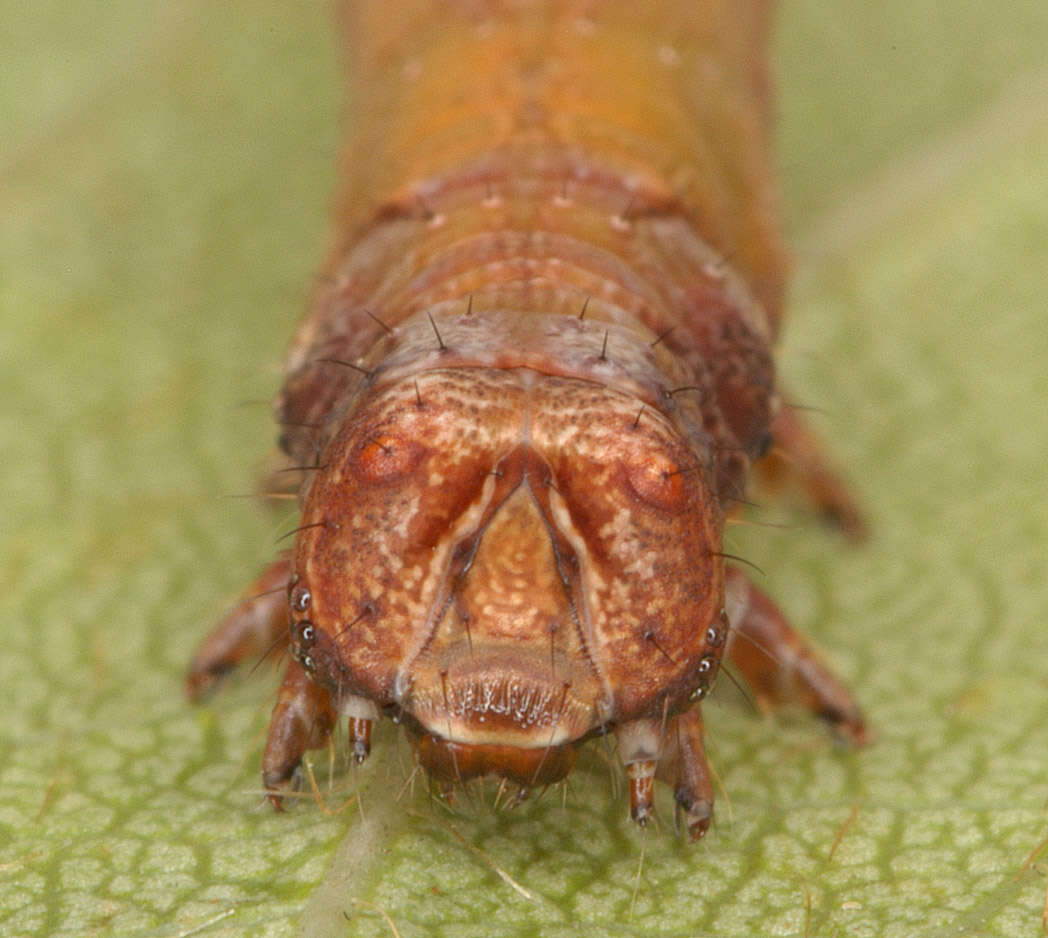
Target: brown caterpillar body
{"type": "Point", "coordinates": [533, 383]}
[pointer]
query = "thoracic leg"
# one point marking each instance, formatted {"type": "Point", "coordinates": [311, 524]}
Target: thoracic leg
{"type": "Point", "coordinates": [779, 664]}
{"type": "Point", "coordinates": [684, 766]}
{"type": "Point", "coordinates": [248, 631]}
{"type": "Point", "coordinates": [672, 751]}
{"type": "Point", "coordinates": [302, 719]}
{"type": "Point", "coordinates": [797, 461]}
{"type": "Point", "coordinates": [640, 748]}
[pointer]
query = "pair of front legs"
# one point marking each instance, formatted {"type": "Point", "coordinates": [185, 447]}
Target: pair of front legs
{"type": "Point", "coordinates": [780, 667]}
{"type": "Point", "coordinates": [774, 660]}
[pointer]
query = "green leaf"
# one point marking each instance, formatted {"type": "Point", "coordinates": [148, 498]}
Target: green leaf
{"type": "Point", "coordinates": [166, 174]}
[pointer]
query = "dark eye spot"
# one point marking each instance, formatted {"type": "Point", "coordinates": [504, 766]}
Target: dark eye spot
{"type": "Point", "coordinates": [300, 599]}
{"type": "Point", "coordinates": [706, 669]}
{"type": "Point", "coordinates": [717, 633]}
{"type": "Point", "coordinates": [763, 445]}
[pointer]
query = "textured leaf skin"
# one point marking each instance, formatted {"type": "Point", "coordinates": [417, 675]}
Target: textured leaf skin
{"type": "Point", "coordinates": [166, 185]}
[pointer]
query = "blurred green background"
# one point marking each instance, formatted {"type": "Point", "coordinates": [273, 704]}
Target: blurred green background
{"type": "Point", "coordinates": [165, 174]}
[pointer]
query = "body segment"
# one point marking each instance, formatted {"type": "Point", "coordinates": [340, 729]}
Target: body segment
{"type": "Point", "coordinates": [532, 384]}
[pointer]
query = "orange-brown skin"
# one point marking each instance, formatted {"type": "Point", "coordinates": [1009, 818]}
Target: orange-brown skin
{"type": "Point", "coordinates": [533, 382]}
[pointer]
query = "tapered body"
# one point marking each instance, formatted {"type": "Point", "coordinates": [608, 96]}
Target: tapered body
{"type": "Point", "coordinates": [530, 388]}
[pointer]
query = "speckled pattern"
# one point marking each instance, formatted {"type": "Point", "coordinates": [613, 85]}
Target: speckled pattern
{"type": "Point", "coordinates": [512, 514]}
{"type": "Point", "coordinates": [164, 186]}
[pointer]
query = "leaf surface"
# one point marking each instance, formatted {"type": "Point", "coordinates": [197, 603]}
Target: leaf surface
{"type": "Point", "coordinates": [166, 176]}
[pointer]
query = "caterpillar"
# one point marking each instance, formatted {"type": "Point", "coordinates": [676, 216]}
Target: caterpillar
{"type": "Point", "coordinates": [529, 393]}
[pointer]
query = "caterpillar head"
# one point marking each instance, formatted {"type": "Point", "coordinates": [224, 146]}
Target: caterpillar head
{"type": "Point", "coordinates": [512, 562]}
